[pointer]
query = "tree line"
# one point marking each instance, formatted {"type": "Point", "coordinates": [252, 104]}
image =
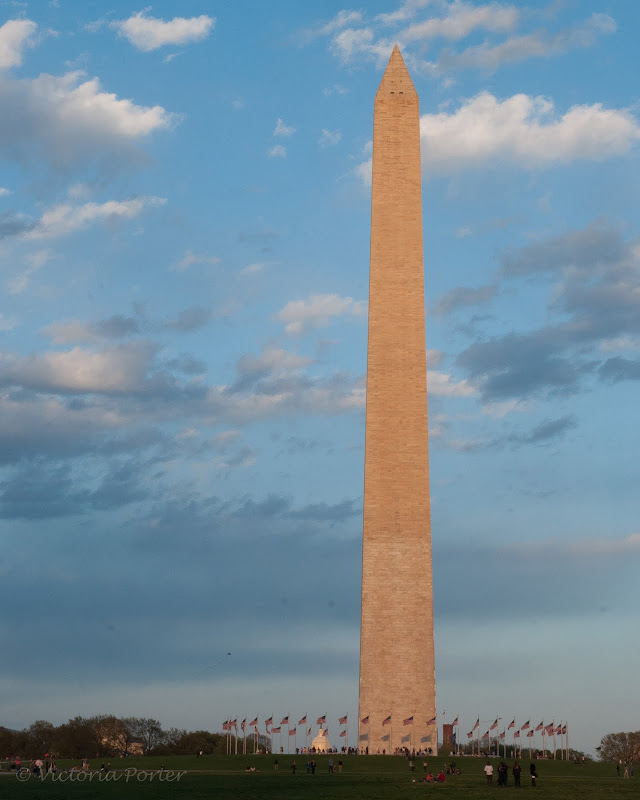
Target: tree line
{"type": "Point", "coordinates": [107, 736]}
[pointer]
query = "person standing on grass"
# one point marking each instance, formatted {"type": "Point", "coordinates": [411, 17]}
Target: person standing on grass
{"type": "Point", "coordinates": [516, 773]}
{"type": "Point", "coordinates": [534, 774]}
{"type": "Point", "coordinates": [340, 765]}
{"type": "Point", "coordinates": [330, 765]}
{"type": "Point", "coordinates": [488, 771]}
{"type": "Point", "coordinates": [293, 767]}
{"type": "Point", "coordinates": [313, 767]}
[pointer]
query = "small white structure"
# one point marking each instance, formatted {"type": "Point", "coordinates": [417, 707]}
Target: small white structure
{"type": "Point", "coordinates": [321, 742]}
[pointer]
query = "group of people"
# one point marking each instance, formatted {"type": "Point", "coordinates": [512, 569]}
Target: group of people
{"type": "Point", "coordinates": [310, 766]}
{"type": "Point", "coordinates": [503, 773]}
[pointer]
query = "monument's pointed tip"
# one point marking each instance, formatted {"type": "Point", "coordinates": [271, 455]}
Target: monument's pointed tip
{"type": "Point", "coordinates": [396, 76]}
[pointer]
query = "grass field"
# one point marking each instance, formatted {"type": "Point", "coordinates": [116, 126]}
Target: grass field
{"type": "Point", "coordinates": [363, 778]}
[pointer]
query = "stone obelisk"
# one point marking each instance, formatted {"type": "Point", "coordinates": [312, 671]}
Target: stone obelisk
{"type": "Point", "coordinates": [397, 671]}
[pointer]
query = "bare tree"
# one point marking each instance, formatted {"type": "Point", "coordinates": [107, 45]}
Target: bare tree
{"type": "Point", "coordinates": [623, 747]}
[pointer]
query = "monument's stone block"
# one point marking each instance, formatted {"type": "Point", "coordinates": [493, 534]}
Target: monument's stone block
{"type": "Point", "coordinates": [397, 674]}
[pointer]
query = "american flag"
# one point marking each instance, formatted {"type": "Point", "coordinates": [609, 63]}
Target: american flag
{"type": "Point", "coordinates": [268, 722]}
{"type": "Point", "coordinates": [243, 724]}
{"type": "Point", "coordinates": [455, 722]}
{"type": "Point", "coordinates": [303, 721]}
{"type": "Point", "coordinates": [470, 734]}
{"type": "Point", "coordinates": [549, 730]}
{"type": "Point", "coordinates": [477, 725]}
{"type": "Point", "coordinates": [564, 730]}
{"type": "Point", "coordinates": [502, 735]}
{"type": "Point", "coordinates": [309, 732]}
{"type": "Point", "coordinates": [344, 733]}
{"type": "Point", "coordinates": [525, 726]}
{"type": "Point", "coordinates": [531, 732]}
{"type": "Point", "coordinates": [276, 730]}
{"type": "Point", "coordinates": [342, 720]}
{"type": "Point", "coordinates": [254, 723]}
{"type": "Point", "coordinates": [285, 720]}
{"type": "Point", "coordinates": [512, 725]}
{"type": "Point", "coordinates": [226, 725]}
{"type": "Point", "coordinates": [325, 732]}
{"type": "Point", "coordinates": [408, 721]}
{"type": "Point", "coordinates": [321, 720]}
{"type": "Point", "coordinates": [540, 726]}
{"type": "Point", "coordinates": [234, 722]}
{"type": "Point", "coordinates": [495, 725]}
{"type": "Point", "coordinates": [365, 720]}
{"type": "Point", "coordinates": [386, 721]}
{"type": "Point", "coordinates": [516, 734]}
{"type": "Point", "coordinates": [432, 721]}
{"type": "Point", "coordinates": [559, 730]}
{"type": "Point", "coordinates": [485, 735]}
{"type": "Point", "coordinates": [292, 732]}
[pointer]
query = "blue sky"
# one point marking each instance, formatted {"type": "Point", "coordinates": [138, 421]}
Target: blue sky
{"type": "Point", "coordinates": [184, 233]}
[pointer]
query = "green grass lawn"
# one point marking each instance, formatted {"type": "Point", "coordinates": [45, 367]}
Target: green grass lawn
{"type": "Point", "coordinates": [363, 778]}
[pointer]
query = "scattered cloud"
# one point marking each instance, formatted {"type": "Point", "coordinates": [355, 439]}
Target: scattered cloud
{"type": "Point", "coordinates": [341, 19]}
{"type": "Point", "coordinates": [593, 303]}
{"type": "Point", "coordinates": [4, 192]}
{"type": "Point", "coordinates": [15, 36]}
{"type": "Point", "coordinates": [118, 369]}
{"type": "Point", "coordinates": [443, 385]}
{"type": "Point", "coordinates": [277, 151]}
{"type": "Point", "coordinates": [67, 122]}
{"type": "Point", "coordinates": [282, 129]}
{"type": "Point", "coordinates": [337, 88]}
{"type": "Point", "coordinates": [465, 297]}
{"type": "Point", "coordinates": [64, 219]}
{"type": "Point", "coordinates": [115, 327]}
{"type": "Point", "coordinates": [538, 44]}
{"type": "Point", "coordinates": [191, 319]}
{"type": "Point", "coordinates": [317, 311]}
{"type": "Point", "coordinates": [190, 258]}
{"type": "Point", "coordinates": [523, 131]}
{"type": "Point", "coordinates": [329, 138]}
{"type": "Point", "coordinates": [546, 431]}
{"type": "Point", "coordinates": [461, 20]}
{"type": "Point", "coordinates": [252, 269]}
{"type": "Point", "coordinates": [34, 262]}
{"type": "Point", "coordinates": [149, 33]}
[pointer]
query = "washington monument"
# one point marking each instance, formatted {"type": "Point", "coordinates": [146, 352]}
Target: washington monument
{"type": "Point", "coordinates": [397, 674]}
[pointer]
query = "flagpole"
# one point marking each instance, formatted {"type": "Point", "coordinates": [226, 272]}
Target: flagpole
{"type": "Point", "coordinates": [554, 738]}
{"type": "Point", "coordinates": [566, 740]}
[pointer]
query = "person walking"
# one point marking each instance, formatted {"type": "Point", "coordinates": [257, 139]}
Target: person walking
{"type": "Point", "coordinates": [293, 767]}
{"type": "Point", "coordinates": [534, 774]}
{"type": "Point", "coordinates": [313, 767]}
{"type": "Point", "coordinates": [516, 773]}
{"type": "Point", "coordinates": [488, 771]}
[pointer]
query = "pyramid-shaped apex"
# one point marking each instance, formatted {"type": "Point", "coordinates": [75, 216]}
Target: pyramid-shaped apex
{"type": "Point", "coordinates": [396, 79]}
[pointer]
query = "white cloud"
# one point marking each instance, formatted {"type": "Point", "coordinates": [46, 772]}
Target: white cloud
{"type": "Point", "coordinates": [150, 33]}
{"type": "Point", "coordinates": [237, 103]}
{"type": "Point", "coordinates": [407, 11]}
{"type": "Point", "coordinates": [252, 269]}
{"type": "Point", "coordinates": [277, 151]}
{"type": "Point", "coordinates": [118, 369]}
{"type": "Point", "coordinates": [6, 324]}
{"type": "Point", "coordinates": [462, 20]}
{"type": "Point", "coordinates": [523, 130]}
{"type": "Point", "coordinates": [341, 19]}
{"type": "Point", "coordinates": [273, 359]}
{"type": "Point", "coordinates": [443, 385]}
{"type": "Point", "coordinates": [65, 218]}
{"type": "Point", "coordinates": [317, 311]}
{"type": "Point", "coordinates": [190, 258]}
{"type": "Point", "coordinates": [337, 88]}
{"type": "Point", "coordinates": [35, 261]}
{"type": "Point", "coordinates": [538, 44]}
{"type": "Point", "coordinates": [66, 121]}
{"type": "Point", "coordinates": [15, 35]}
{"type": "Point", "coordinates": [329, 138]}
{"type": "Point", "coordinates": [282, 129]}
{"type": "Point", "coordinates": [4, 192]}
